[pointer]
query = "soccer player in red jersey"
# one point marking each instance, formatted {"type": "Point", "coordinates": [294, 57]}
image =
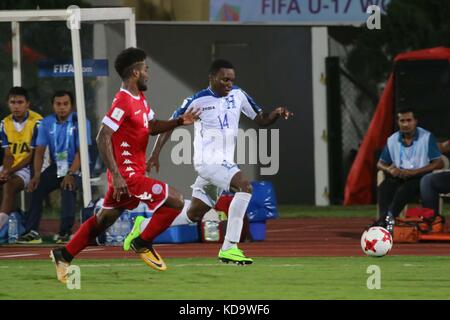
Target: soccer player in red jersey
{"type": "Point", "coordinates": [122, 142]}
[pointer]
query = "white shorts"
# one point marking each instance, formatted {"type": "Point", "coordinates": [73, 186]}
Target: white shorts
{"type": "Point", "coordinates": [212, 180]}
{"type": "Point", "coordinates": [24, 174]}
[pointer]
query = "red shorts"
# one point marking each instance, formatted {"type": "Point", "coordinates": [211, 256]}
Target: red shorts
{"type": "Point", "coordinates": [151, 191]}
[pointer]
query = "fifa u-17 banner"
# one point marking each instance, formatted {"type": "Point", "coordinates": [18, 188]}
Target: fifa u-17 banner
{"type": "Point", "coordinates": [65, 68]}
{"type": "Point", "coordinates": [319, 11]}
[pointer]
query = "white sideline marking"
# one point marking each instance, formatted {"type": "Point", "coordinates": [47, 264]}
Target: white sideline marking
{"type": "Point", "coordinates": [8, 253]}
{"type": "Point", "coordinates": [287, 265]}
{"type": "Point", "coordinates": [120, 265]}
{"type": "Point", "coordinates": [142, 265]}
{"type": "Point", "coordinates": [20, 255]}
{"type": "Point", "coordinates": [282, 230]}
{"type": "Point", "coordinates": [125, 265]}
{"type": "Point", "coordinates": [89, 250]}
{"type": "Point", "coordinates": [186, 265]}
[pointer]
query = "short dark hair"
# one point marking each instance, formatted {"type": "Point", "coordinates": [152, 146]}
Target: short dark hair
{"type": "Point", "coordinates": [218, 64]}
{"type": "Point", "coordinates": [406, 110]}
{"type": "Point", "coordinates": [18, 91]}
{"type": "Point", "coordinates": [62, 93]}
{"type": "Point", "coordinates": [126, 59]}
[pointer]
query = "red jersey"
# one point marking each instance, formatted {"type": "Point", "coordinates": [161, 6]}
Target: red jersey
{"type": "Point", "coordinates": [129, 117]}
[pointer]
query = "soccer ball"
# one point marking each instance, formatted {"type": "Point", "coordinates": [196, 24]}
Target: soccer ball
{"type": "Point", "coordinates": [376, 242]}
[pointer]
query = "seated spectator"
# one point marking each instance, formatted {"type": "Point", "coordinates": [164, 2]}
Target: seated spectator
{"type": "Point", "coordinates": [59, 131]}
{"type": "Point", "coordinates": [435, 183]}
{"type": "Point", "coordinates": [18, 135]}
{"type": "Point", "coordinates": [409, 154]}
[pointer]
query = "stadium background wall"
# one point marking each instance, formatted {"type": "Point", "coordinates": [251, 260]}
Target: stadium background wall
{"type": "Point", "coordinates": [179, 57]}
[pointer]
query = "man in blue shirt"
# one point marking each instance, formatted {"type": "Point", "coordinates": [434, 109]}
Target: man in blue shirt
{"type": "Point", "coordinates": [58, 132]}
{"type": "Point", "coordinates": [434, 184]}
{"type": "Point", "coordinates": [409, 154]}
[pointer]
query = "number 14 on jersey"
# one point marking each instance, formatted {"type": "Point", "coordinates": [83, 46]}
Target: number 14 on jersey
{"type": "Point", "coordinates": [224, 123]}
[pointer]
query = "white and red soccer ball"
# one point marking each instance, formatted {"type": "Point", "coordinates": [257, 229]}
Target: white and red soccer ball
{"type": "Point", "coordinates": [376, 242]}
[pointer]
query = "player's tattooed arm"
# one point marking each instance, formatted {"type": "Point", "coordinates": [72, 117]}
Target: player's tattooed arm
{"type": "Point", "coordinates": [160, 126]}
{"type": "Point", "coordinates": [106, 152]}
{"type": "Point", "coordinates": [265, 119]}
{"type": "Point", "coordinates": [157, 127]}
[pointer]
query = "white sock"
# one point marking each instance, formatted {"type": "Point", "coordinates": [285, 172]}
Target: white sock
{"type": "Point", "coordinates": [236, 213]}
{"type": "Point", "coordinates": [181, 219]}
{"type": "Point", "coordinates": [3, 219]}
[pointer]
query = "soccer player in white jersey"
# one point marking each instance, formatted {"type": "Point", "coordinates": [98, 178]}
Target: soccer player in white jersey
{"type": "Point", "coordinates": [220, 106]}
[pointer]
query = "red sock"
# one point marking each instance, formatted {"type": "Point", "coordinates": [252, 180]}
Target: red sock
{"type": "Point", "coordinates": [85, 235]}
{"type": "Point", "coordinates": [223, 204]}
{"type": "Point", "coordinates": [160, 221]}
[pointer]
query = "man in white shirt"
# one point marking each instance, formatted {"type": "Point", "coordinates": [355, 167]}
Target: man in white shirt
{"type": "Point", "coordinates": [220, 107]}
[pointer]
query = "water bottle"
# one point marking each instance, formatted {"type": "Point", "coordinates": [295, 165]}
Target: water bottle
{"type": "Point", "coordinates": [126, 224]}
{"type": "Point", "coordinates": [111, 235]}
{"type": "Point", "coordinates": [120, 227]}
{"type": "Point", "coordinates": [108, 235]}
{"type": "Point", "coordinates": [13, 228]}
{"type": "Point", "coordinates": [211, 232]}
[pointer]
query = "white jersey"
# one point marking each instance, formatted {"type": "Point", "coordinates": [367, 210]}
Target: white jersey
{"type": "Point", "coordinates": [216, 130]}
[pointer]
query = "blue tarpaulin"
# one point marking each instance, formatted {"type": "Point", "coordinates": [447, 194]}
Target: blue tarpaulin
{"type": "Point", "coordinates": [263, 204]}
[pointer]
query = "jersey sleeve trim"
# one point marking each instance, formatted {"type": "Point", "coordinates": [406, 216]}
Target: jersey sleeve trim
{"type": "Point", "coordinates": [3, 136]}
{"type": "Point", "coordinates": [433, 149]}
{"type": "Point", "coordinates": [151, 115]}
{"type": "Point", "coordinates": [252, 102]}
{"type": "Point", "coordinates": [181, 110]}
{"type": "Point", "coordinates": [187, 102]}
{"type": "Point", "coordinates": [35, 133]}
{"type": "Point", "coordinates": [111, 124]}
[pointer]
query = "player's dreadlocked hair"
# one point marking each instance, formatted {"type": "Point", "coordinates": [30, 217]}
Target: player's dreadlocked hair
{"type": "Point", "coordinates": [127, 59]}
{"type": "Point", "coordinates": [218, 64]}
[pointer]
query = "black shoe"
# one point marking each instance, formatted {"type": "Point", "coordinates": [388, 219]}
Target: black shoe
{"type": "Point", "coordinates": [31, 237]}
{"type": "Point", "coordinates": [64, 238]}
{"type": "Point", "coordinates": [377, 223]}
{"type": "Point", "coordinates": [60, 263]}
{"type": "Point", "coordinates": [390, 223]}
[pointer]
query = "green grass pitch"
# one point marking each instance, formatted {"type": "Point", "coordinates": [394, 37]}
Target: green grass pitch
{"type": "Point", "coordinates": [402, 277]}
